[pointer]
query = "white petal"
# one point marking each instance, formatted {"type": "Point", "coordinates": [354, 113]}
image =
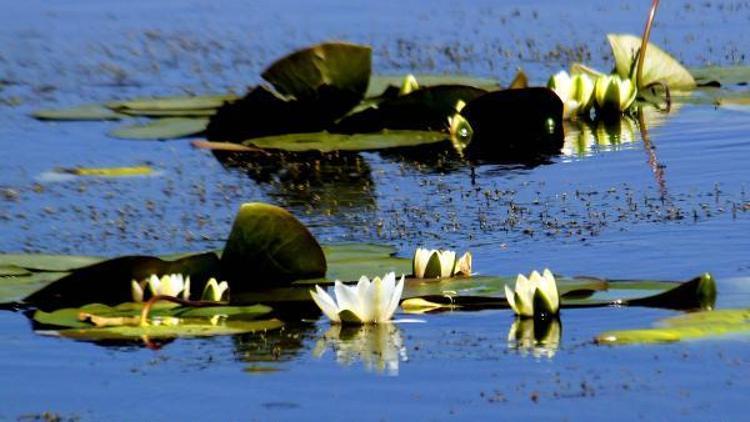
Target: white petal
{"type": "Point", "coordinates": [549, 289]}
{"type": "Point", "coordinates": [186, 289]}
{"type": "Point", "coordinates": [447, 263]}
{"type": "Point", "coordinates": [154, 284]}
{"type": "Point", "coordinates": [221, 290]}
{"type": "Point", "coordinates": [347, 299]}
{"type": "Point", "coordinates": [419, 263]}
{"type": "Point", "coordinates": [136, 291]}
{"type": "Point", "coordinates": [326, 304]}
{"type": "Point", "coordinates": [384, 296]}
{"type": "Point", "coordinates": [510, 296]}
{"type": "Point", "coordinates": [395, 299]}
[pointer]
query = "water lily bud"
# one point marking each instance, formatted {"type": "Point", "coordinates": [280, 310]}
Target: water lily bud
{"type": "Point", "coordinates": [136, 290]}
{"type": "Point", "coordinates": [576, 92]}
{"type": "Point", "coordinates": [215, 292]}
{"type": "Point", "coordinates": [535, 296]}
{"type": "Point", "coordinates": [409, 85]}
{"type": "Point", "coordinates": [433, 263]}
{"type": "Point", "coordinates": [614, 93]}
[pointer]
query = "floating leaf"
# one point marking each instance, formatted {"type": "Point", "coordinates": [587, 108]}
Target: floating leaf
{"type": "Point", "coordinates": [721, 76]}
{"type": "Point", "coordinates": [44, 262]}
{"type": "Point", "coordinates": [515, 125]}
{"type": "Point", "coordinates": [172, 104]}
{"type": "Point", "coordinates": [189, 328]}
{"type": "Point", "coordinates": [109, 171]}
{"type": "Point", "coordinates": [69, 317]}
{"type": "Point", "coordinates": [208, 112]}
{"type": "Point", "coordinates": [691, 326]}
{"type": "Point", "coordinates": [168, 128]}
{"type": "Point", "coordinates": [82, 112]}
{"type": "Point", "coordinates": [15, 288]}
{"type": "Point", "coordinates": [274, 244]}
{"type": "Point", "coordinates": [379, 84]}
{"type": "Point", "coordinates": [350, 261]}
{"type": "Point", "coordinates": [329, 142]}
{"type": "Point", "coordinates": [657, 67]}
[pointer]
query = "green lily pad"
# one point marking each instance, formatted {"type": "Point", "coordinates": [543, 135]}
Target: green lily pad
{"type": "Point", "coordinates": [380, 83]}
{"type": "Point", "coordinates": [172, 104]}
{"type": "Point", "coordinates": [338, 71]}
{"type": "Point", "coordinates": [189, 328]}
{"type": "Point", "coordinates": [329, 142]}
{"type": "Point", "coordinates": [81, 112]}
{"type": "Point", "coordinates": [107, 171]}
{"type": "Point", "coordinates": [723, 76]}
{"type": "Point", "coordinates": [167, 128]}
{"type": "Point", "coordinates": [15, 288]}
{"type": "Point", "coordinates": [68, 317]}
{"type": "Point", "coordinates": [693, 326]}
{"type": "Point", "coordinates": [269, 246]}
{"type": "Point", "coordinates": [208, 112]}
{"type": "Point", "coordinates": [658, 66]}
{"type": "Point", "coordinates": [44, 262]}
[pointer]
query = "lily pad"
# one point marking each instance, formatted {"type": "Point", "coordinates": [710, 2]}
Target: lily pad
{"type": "Point", "coordinates": [657, 67]}
{"type": "Point", "coordinates": [722, 76]}
{"type": "Point", "coordinates": [69, 317]}
{"type": "Point", "coordinates": [44, 262]}
{"type": "Point", "coordinates": [329, 142]}
{"type": "Point", "coordinates": [81, 112]}
{"type": "Point", "coordinates": [167, 128]}
{"type": "Point", "coordinates": [15, 288]}
{"type": "Point", "coordinates": [189, 328]}
{"type": "Point", "coordinates": [172, 104]}
{"type": "Point", "coordinates": [269, 246]}
{"type": "Point", "coordinates": [693, 326]}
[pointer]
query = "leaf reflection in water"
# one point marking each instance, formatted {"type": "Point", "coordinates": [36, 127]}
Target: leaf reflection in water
{"type": "Point", "coordinates": [539, 338]}
{"type": "Point", "coordinates": [379, 347]}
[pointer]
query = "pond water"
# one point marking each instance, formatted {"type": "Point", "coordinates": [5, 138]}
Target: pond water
{"type": "Point", "coordinates": [670, 208]}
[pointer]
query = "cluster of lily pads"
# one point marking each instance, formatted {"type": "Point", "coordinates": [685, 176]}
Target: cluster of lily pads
{"type": "Point", "coordinates": [271, 261]}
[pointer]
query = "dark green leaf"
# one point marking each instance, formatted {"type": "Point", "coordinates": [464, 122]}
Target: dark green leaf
{"type": "Point", "coordinates": [269, 246]}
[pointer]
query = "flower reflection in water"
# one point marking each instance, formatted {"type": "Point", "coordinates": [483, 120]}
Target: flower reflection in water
{"type": "Point", "coordinates": [380, 347]}
{"type": "Point", "coordinates": [537, 337]}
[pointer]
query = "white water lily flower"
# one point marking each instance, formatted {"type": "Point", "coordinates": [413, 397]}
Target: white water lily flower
{"type": "Point", "coordinates": [615, 93]}
{"type": "Point", "coordinates": [366, 303]}
{"type": "Point", "coordinates": [576, 92]}
{"type": "Point", "coordinates": [168, 285]}
{"type": "Point", "coordinates": [534, 296]}
{"type": "Point", "coordinates": [215, 292]}
{"type": "Point", "coordinates": [433, 263]}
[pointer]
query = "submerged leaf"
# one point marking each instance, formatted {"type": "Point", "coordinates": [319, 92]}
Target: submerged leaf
{"type": "Point", "coordinates": [82, 112]}
{"type": "Point", "coordinates": [167, 128]}
{"type": "Point", "coordinates": [109, 171]}
{"type": "Point", "coordinates": [657, 67]}
{"type": "Point", "coordinates": [329, 142]}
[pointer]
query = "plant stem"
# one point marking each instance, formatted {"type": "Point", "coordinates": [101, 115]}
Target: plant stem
{"type": "Point", "coordinates": [644, 42]}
